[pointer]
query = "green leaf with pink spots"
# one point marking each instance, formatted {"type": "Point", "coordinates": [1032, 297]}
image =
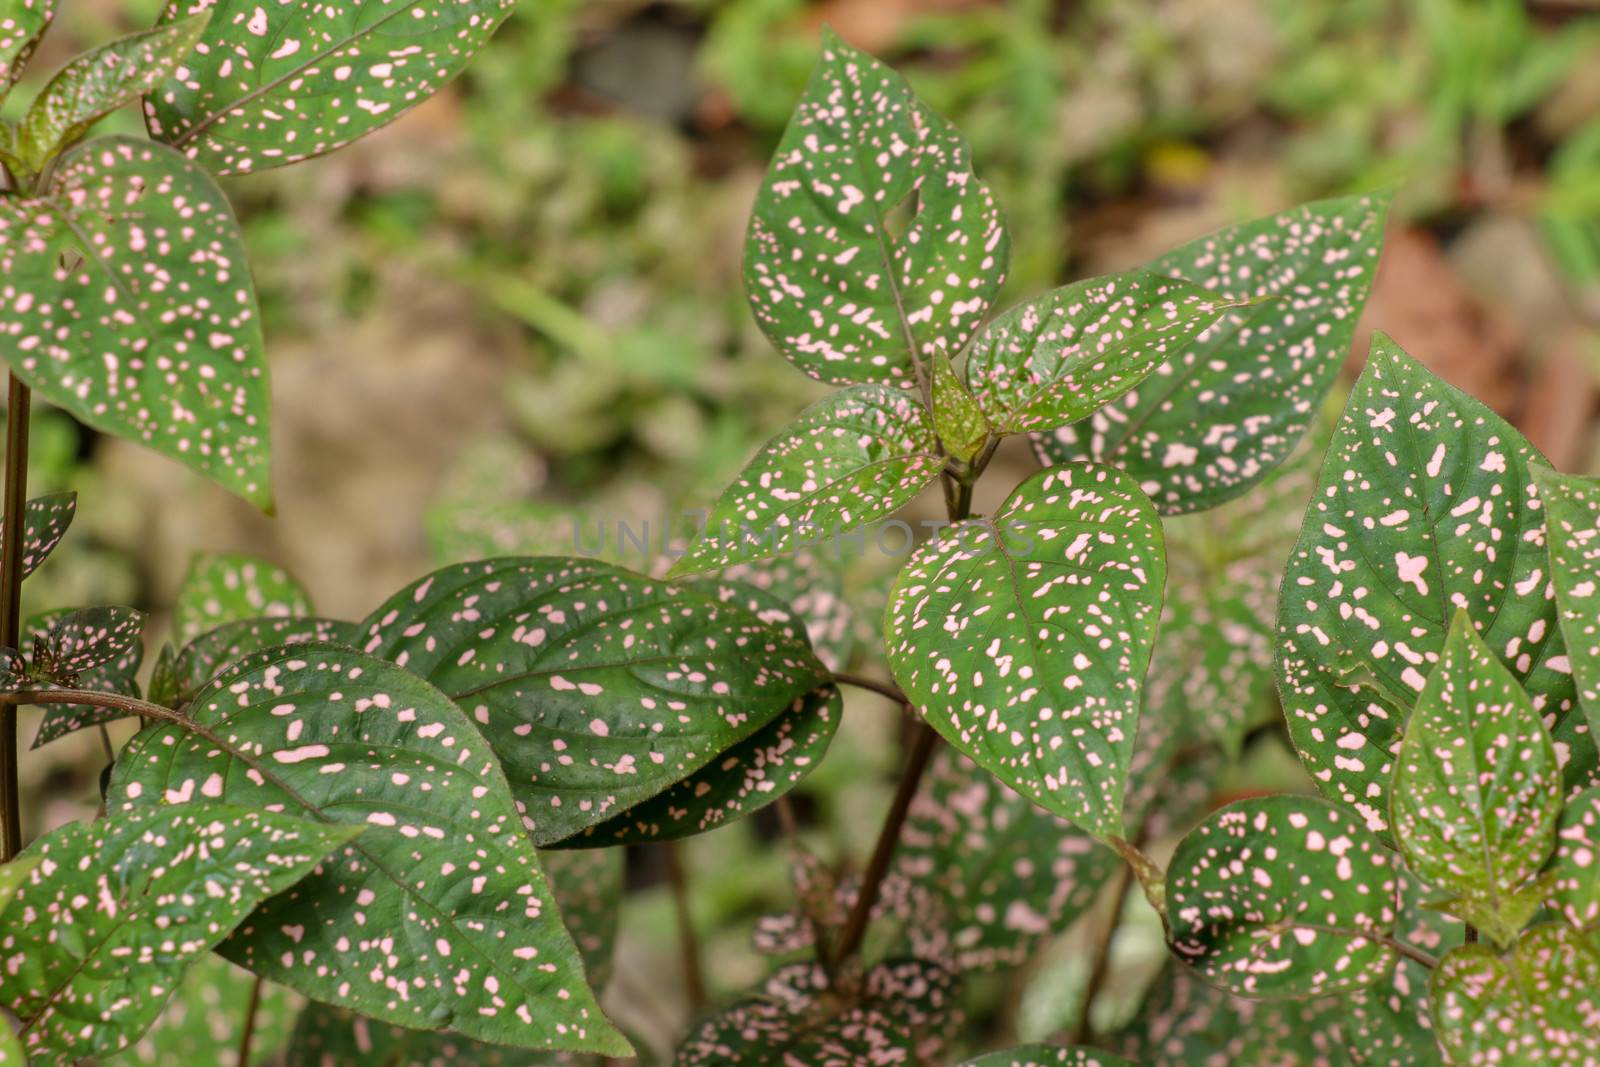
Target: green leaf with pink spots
{"type": "Point", "coordinates": [1283, 896]}
{"type": "Point", "coordinates": [1476, 790]}
{"type": "Point", "coordinates": [204, 1021]}
{"type": "Point", "coordinates": [462, 931]}
{"type": "Point", "coordinates": [1212, 421]}
{"type": "Point", "coordinates": [1048, 1056]}
{"type": "Point", "coordinates": [960, 422]}
{"type": "Point", "coordinates": [150, 331]}
{"type": "Point", "coordinates": [1537, 1004]}
{"type": "Point", "coordinates": [1389, 1023]}
{"type": "Point", "coordinates": [849, 459]}
{"type": "Point", "coordinates": [902, 1014]}
{"type": "Point", "coordinates": [117, 673]}
{"type": "Point", "coordinates": [588, 885]}
{"type": "Point", "coordinates": [68, 644]}
{"type": "Point", "coordinates": [325, 1036]}
{"type": "Point", "coordinates": [1575, 868]}
{"type": "Point", "coordinates": [1425, 507]}
{"type": "Point", "coordinates": [1060, 358]}
{"type": "Point", "coordinates": [599, 688]}
{"type": "Point", "coordinates": [21, 28]}
{"type": "Point", "coordinates": [271, 84]}
{"type": "Point", "coordinates": [229, 587]}
{"type": "Point", "coordinates": [1023, 637]}
{"type": "Point", "coordinates": [11, 1054]}
{"type": "Point", "coordinates": [1572, 509]}
{"type": "Point", "coordinates": [99, 82]}
{"type": "Point", "coordinates": [207, 654]}
{"type": "Point", "coordinates": [833, 283]}
{"type": "Point", "coordinates": [113, 913]}
{"type": "Point", "coordinates": [44, 523]}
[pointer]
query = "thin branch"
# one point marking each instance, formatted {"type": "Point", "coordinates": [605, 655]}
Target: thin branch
{"type": "Point", "coordinates": [11, 547]}
{"type": "Point", "coordinates": [855, 926]}
{"type": "Point", "coordinates": [694, 979]}
{"type": "Point", "coordinates": [249, 1023]}
{"type": "Point", "coordinates": [1410, 952]}
{"type": "Point", "coordinates": [887, 690]}
{"type": "Point", "coordinates": [1100, 958]}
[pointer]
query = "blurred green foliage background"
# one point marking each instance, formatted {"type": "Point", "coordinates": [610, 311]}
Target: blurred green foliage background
{"type": "Point", "coordinates": [521, 303]}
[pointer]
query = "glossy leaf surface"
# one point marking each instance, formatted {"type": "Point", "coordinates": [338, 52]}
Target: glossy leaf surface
{"type": "Point", "coordinates": [207, 654]}
{"type": "Point", "coordinates": [1572, 508]}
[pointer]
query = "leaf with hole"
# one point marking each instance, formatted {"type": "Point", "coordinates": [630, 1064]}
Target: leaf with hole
{"type": "Point", "coordinates": [1212, 422]}
{"type": "Point", "coordinates": [1283, 896]}
{"type": "Point", "coordinates": [151, 330]}
{"type": "Point", "coordinates": [1023, 637]}
{"type": "Point", "coordinates": [115, 675]}
{"type": "Point", "coordinates": [850, 458]}
{"type": "Point", "coordinates": [271, 84]}
{"type": "Point", "coordinates": [1424, 507]}
{"type": "Point", "coordinates": [900, 1016]}
{"type": "Point", "coordinates": [230, 587]}
{"type": "Point", "coordinates": [1059, 358]}
{"type": "Point", "coordinates": [833, 285]}
{"type": "Point", "coordinates": [1572, 509]}
{"type": "Point", "coordinates": [21, 28]}
{"type": "Point", "coordinates": [1537, 1004]}
{"type": "Point", "coordinates": [113, 913]}
{"type": "Point", "coordinates": [472, 939]}
{"type": "Point", "coordinates": [598, 688]}
{"type": "Point", "coordinates": [99, 82]}
{"type": "Point", "coordinates": [1476, 790]}
{"type": "Point", "coordinates": [45, 520]}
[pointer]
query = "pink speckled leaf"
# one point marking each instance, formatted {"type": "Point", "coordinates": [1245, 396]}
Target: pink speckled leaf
{"type": "Point", "coordinates": [464, 932]}
{"type": "Point", "coordinates": [325, 1036]}
{"type": "Point", "coordinates": [810, 585]}
{"type": "Point", "coordinates": [115, 674]}
{"type": "Point", "coordinates": [127, 301]}
{"type": "Point", "coordinates": [849, 459]}
{"type": "Point", "coordinates": [1212, 422]}
{"type": "Point", "coordinates": [1575, 870]}
{"type": "Point", "coordinates": [961, 424]}
{"type": "Point", "coordinates": [21, 28]}
{"type": "Point", "coordinates": [1048, 1056]}
{"type": "Point", "coordinates": [277, 83]}
{"type": "Point", "coordinates": [1023, 638]}
{"type": "Point", "coordinates": [99, 82]}
{"type": "Point", "coordinates": [67, 644]}
{"type": "Point", "coordinates": [1283, 896]}
{"type": "Point", "coordinates": [901, 1016]}
{"type": "Point", "coordinates": [598, 688]}
{"type": "Point", "coordinates": [113, 913]}
{"type": "Point", "coordinates": [1477, 790]}
{"type": "Point", "coordinates": [202, 658]}
{"type": "Point", "coordinates": [588, 885]}
{"type": "Point", "coordinates": [1059, 358]}
{"type": "Point", "coordinates": [226, 587]}
{"type": "Point", "coordinates": [1389, 1024]}
{"type": "Point", "coordinates": [1425, 506]}
{"type": "Point", "coordinates": [204, 1021]}
{"type": "Point", "coordinates": [1572, 509]}
{"type": "Point", "coordinates": [44, 523]}
{"type": "Point", "coordinates": [1537, 1005]}
{"type": "Point", "coordinates": [839, 293]}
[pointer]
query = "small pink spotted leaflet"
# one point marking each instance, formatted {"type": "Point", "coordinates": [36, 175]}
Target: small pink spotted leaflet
{"type": "Point", "coordinates": [45, 520]}
{"type": "Point", "coordinates": [21, 27]}
{"type": "Point", "coordinates": [1572, 507]}
{"type": "Point", "coordinates": [226, 587]}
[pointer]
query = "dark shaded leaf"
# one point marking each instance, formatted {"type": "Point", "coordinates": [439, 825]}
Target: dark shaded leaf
{"type": "Point", "coordinates": [44, 523]}
{"type": "Point", "coordinates": [117, 675]}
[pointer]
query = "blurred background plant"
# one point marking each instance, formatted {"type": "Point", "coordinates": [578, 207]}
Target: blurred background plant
{"type": "Point", "coordinates": [519, 307]}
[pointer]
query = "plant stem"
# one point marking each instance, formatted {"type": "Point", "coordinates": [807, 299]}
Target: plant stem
{"type": "Point", "coordinates": [855, 926]}
{"type": "Point", "coordinates": [11, 545]}
{"type": "Point", "coordinates": [1100, 958]}
{"type": "Point", "coordinates": [688, 946]}
{"type": "Point", "coordinates": [249, 1023]}
{"type": "Point", "coordinates": [887, 690]}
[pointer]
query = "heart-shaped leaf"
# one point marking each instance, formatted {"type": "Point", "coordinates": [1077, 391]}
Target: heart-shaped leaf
{"type": "Point", "coordinates": [71, 643]}
{"type": "Point", "coordinates": [1572, 517]}
{"type": "Point", "coordinates": [1185, 1022]}
{"type": "Point", "coordinates": [207, 654]}
{"type": "Point", "coordinates": [901, 1015]}
{"type": "Point", "coordinates": [598, 688]}
{"type": "Point", "coordinates": [472, 938]}
{"type": "Point", "coordinates": [99, 82]}
{"type": "Point", "coordinates": [1211, 423]}
{"type": "Point", "coordinates": [833, 287]}
{"type": "Point", "coordinates": [1060, 358]}
{"type": "Point", "coordinates": [271, 84]}
{"type": "Point", "coordinates": [1023, 638]}
{"type": "Point", "coordinates": [204, 1020]}
{"type": "Point", "coordinates": [44, 523]}
{"type": "Point", "coordinates": [116, 675]}
{"type": "Point", "coordinates": [1283, 896]}
{"type": "Point", "coordinates": [1048, 1056]}
{"type": "Point", "coordinates": [1476, 790]}
{"type": "Point", "coordinates": [1575, 870]}
{"type": "Point", "coordinates": [20, 31]}
{"type": "Point", "coordinates": [960, 422]}
{"type": "Point", "coordinates": [1003, 874]}
{"type": "Point", "coordinates": [102, 930]}
{"type": "Point", "coordinates": [1425, 506]}
{"type": "Point", "coordinates": [151, 330]}
{"type": "Point", "coordinates": [852, 457]}
{"type": "Point", "coordinates": [228, 587]}
{"type": "Point", "coordinates": [1536, 1005]}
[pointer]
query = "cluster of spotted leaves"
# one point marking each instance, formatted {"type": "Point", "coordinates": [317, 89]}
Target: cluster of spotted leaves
{"type": "Point", "coordinates": [1435, 636]}
{"type": "Point", "coordinates": [127, 297]}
